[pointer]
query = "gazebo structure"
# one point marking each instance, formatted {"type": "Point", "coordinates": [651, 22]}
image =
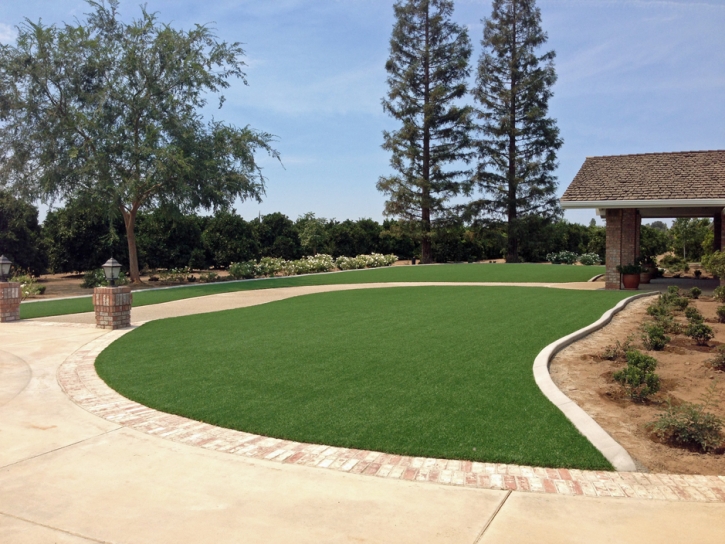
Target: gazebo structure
{"type": "Point", "coordinates": [626, 188]}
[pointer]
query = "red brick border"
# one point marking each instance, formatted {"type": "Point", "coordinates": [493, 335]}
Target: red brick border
{"type": "Point", "coordinates": [77, 377]}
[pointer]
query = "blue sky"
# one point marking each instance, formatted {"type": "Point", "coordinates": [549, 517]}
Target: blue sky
{"type": "Point", "coordinates": [634, 76]}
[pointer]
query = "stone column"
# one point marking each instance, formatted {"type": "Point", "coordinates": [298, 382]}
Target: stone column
{"type": "Point", "coordinates": [9, 301]}
{"type": "Point", "coordinates": [113, 307]}
{"type": "Point", "coordinates": [621, 243]}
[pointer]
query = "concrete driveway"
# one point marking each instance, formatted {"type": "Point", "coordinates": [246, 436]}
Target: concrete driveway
{"type": "Point", "coordinates": [69, 476]}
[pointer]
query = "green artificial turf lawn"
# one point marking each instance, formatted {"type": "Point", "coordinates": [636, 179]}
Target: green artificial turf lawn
{"type": "Point", "coordinates": [422, 371]}
{"type": "Point", "coordinates": [510, 273]}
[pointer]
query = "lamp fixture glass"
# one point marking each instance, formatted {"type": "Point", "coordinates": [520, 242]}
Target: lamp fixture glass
{"type": "Point", "coordinates": [112, 269]}
{"type": "Point", "coordinates": [4, 267]}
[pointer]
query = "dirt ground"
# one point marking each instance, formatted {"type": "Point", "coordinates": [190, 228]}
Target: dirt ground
{"type": "Point", "coordinates": [583, 375]}
{"type": "Point", "coordinates": [69, 285]}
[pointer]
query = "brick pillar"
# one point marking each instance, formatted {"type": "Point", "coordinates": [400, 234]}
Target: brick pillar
{"type": "Point", "coordinates": [9, 301]}
{"type": "Point", "coordinates": [717, 232]}
{"type": "Point", "coordinates": [622, 243]}
{"type": "Point", "coordinates": [637, 234]}
{"type": "Point", "coordinates": [113, 307]}
{"type": "Point", "coordinates": [614, 248]}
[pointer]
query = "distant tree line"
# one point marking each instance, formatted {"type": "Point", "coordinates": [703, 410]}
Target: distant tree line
{"type": "Point", "coordinates": [79, 237]}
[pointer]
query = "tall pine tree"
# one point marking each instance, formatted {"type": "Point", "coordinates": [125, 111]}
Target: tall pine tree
{"type": "Point", "coordinates": [427, 71]}
{"type": "Point", "coordinates": [518, 141]}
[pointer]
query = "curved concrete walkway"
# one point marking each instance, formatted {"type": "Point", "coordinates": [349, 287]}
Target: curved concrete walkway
{"type": "Point", "coordinates": [67, 475]}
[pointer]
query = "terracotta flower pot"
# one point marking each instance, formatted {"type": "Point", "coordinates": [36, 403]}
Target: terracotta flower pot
{"type": "Point", "coordinates": [645, 277]}
{"type": "Point", "coordinates": [630, 281]}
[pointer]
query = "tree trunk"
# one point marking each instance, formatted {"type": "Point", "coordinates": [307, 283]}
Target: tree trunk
{"type": "Point", "coordinates": [426, 256]}
{"type": "Point", "coordinates": [512, 251]}
{"type": "Point", "coordinates": [129, 219]}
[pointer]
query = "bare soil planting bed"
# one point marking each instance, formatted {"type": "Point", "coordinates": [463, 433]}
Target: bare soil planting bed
{"type": "Point", "coordinates": [583, 375]}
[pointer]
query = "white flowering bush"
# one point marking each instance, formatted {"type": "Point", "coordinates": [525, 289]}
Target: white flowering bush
{"type": "Point", "coordinates": [270, 266]}
{"type": "Point", "coordinates": [350, 263]}
{"type": "Point", "coordinates": [590, 259]}
{"type": "Point", "coordinates": [563, 257]}
{"type": "Point", "coordinates": [244, 270]}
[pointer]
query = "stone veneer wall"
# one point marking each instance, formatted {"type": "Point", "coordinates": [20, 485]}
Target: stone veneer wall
{"type": "Point", "coordinates": [113, 307]}
{"type": "Point", "coordinates": [9, 301]}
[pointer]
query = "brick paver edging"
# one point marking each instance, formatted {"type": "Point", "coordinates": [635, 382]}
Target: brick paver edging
{"type": "Point", "coordinates": [77, 376]}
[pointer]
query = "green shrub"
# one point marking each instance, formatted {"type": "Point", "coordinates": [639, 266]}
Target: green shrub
{"type": "Point", "coordinates": [208, 277]}
{"type": "Point", "coordinates": [674, 298]}
{"type": "Point", "coordinates": [695, 292]}
{"type": "Point", "coordinates": [270, 266]}
{"type": "Point", "coordinates": [590, 259]}
{"type": "Point", "coordinates": [617, 351]}
{"type": "Point", "coordinates": [698, 273]}
{"type": "Point", "coordinates": [700, 333]}
{"type": "Point", "coordinates": [654, 337]}
{"type": "Point", "coordinates": [96, 278]}
{"type": "Point", "coordinates": [694, 315]}
{"type": "Point", "coordinates": [174, 275]}
{"type": "Point", "coordinates": [720, 314]}
{"type": "Point", "coordinates": [674, 264]}
{"type": "Point", "coordinates": [659, 308]}
{"type": "Point", "coordinates": [243, 271]}
{"type": "Point", "coordinates": [562, 257]}
{"type": "Point", "coordinates": [28, 286]}
{"type": "Point", "coordinates": [629, 269]}
{"type": "Point", "coordinates": [718, 361]}
{"type": "Point", "coordinates": [668, 323]}
{"type": "Point", "coordinates": [715, 264]}
{"type": "Point", "coordinates": [639, 378]}
{"type": "Point", "coordinates": [689, 424]}
{"type": "Point", "coordinates": [719, 293]}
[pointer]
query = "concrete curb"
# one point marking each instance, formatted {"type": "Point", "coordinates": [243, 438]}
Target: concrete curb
{"type": "Point", "coordinates": [595, 278]}
{"type": "Point", "coordinates": [586, 425]}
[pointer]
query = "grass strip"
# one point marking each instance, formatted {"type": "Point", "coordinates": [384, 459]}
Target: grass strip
{"type": "Point", "coordinates": [421, 371]}
{"type": "Point", "coordinates": [510, 273]}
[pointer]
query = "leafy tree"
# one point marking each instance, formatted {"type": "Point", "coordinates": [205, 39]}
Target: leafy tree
{"type": "Point", "coordinates": [169, 239]}
{"type": "Point", "coordinates": [427, 72]}
{"type": "Point", "coordinates": [110, 111]}
{"type": "Point", "coordinates": [229, 239]}
{"type": "Point", "coordinates": [653, 240]}
{"type": "Point", "coordinates": [277, 236]}
{"type": "Point", "coordinates": [350, 238]}
{"type": "Point", "coordinates": [20, 234]}
{"type": "Point", "coordinates": [518, 141]}
{"type": "Point", "coordinates": [688, 236]}
{"type": "Point", "coordinates": [81, 237]}
{"type": "Point", "coordinates": [313, 233]}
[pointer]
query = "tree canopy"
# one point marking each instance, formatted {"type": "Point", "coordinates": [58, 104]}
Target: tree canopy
{"type": "Point", "coordinates": [518, 140]}
{"type": "Point", "coordinates": [110, 111]}
{"type": "Point", "coordinates": [427, 72]}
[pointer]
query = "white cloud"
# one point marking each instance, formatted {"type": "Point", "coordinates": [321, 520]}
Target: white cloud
{"type": "Point", "coordinates": [7, 33]}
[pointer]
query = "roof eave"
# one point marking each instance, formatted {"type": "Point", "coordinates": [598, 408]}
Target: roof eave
{"type": "Point", "coordinates": [663, 203]}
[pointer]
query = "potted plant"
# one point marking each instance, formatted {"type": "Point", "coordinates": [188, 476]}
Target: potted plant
{"type": "Point", "coordinates": [649, 270]}
{"type": "Point", "coordinates": [630, 275]}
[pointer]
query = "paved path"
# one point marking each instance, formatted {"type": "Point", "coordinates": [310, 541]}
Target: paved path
{"type": "Point", "coordinates": [242, 299]}
{"type": "Point", "coordinates": [69, 476]}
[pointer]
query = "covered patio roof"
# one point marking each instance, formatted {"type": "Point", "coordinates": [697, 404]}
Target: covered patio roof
{"type": "Point", "coordinates": [679, 184]}
{"type": "Point", "coordinates": [624, 189]}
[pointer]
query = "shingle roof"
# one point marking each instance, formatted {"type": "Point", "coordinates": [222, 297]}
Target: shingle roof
{"type": "Point", "coordinates": [650, 176]}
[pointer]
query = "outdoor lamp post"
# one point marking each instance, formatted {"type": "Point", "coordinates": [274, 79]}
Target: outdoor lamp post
{"type": "Point", "coordinates": [111, 270]}
{"type": "Point", "coordinates": [4, 267]}
{"type": "Point", "coordinates": [112, 304]}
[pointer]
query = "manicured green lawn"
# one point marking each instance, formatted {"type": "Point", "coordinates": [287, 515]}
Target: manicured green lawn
{"type": "Point", "coordinates": [511, 273]}
{"type": "Point", "coordinates": [423, 371]}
